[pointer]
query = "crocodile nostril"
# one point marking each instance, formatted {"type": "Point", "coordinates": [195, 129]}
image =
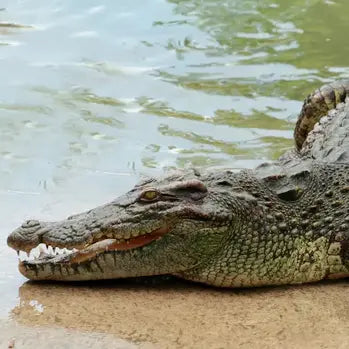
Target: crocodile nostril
{"type": "Point", "coordinates": [30, 223]}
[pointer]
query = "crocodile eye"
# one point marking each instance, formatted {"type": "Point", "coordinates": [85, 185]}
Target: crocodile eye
{"type": "Point", "coordinates": [149, 195]}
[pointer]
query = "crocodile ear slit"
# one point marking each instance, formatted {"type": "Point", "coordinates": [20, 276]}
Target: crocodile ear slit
{"type": "Point", "coordinates": [291, 194]}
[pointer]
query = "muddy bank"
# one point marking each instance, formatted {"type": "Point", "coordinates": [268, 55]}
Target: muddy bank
{"type": "Point", "coordinates": [183, 315]}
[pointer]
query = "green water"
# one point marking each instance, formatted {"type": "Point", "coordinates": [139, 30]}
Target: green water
{"type": "Point", "coordinates": [96, 93]}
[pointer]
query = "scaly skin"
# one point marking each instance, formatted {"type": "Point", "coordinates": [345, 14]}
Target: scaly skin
{"type": "Point", "coordinates": [283, 223]}
{"type": "Point", "coordinates": [317, 105]}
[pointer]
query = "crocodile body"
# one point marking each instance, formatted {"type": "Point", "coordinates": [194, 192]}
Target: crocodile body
{"type": "Point", "coordinates": [285, 222]}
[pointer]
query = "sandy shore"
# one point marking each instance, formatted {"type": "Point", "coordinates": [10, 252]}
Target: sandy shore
{"type": "Point", "coordinates": [176, 314]}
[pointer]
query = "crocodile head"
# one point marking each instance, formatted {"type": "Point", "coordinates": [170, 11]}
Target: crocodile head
{"type": "Point", "coordinates": [162, 226]}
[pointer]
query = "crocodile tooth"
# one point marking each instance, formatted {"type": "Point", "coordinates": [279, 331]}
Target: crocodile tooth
{"type": "Point", "coordinates": [42, 248]}
{"type": "Point", "coordinates": [31, 256]}
{"type": "Point", "coordinates": [67, 251]}
{"type": "Point", "coordinates": [35, 252]}
{"type": "Point", "coordinates": [22, 256]}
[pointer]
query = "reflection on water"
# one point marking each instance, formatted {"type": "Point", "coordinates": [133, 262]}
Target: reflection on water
{"type": "Point", "coordinates": [96, 93]}
{"type": "Point", "coordinates": [58, 338]}
{"type": "Point", "coordinates": [182, 315]}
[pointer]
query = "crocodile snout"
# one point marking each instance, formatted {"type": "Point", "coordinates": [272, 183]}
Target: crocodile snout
{"type": "Point", "coordinates": [27, 236]}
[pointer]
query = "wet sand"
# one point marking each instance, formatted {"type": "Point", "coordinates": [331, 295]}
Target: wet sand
{"type": "Point", "coordinates": [175, 314]}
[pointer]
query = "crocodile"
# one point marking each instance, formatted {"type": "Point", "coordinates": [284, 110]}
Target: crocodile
{"type": "Point", "coordinates": [284, 222]}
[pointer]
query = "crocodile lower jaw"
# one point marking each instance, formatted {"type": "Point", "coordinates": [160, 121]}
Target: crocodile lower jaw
{"type": "Point", "coordinates": [43, 253]}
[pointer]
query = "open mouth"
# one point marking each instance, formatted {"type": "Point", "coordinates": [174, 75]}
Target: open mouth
{"type": "Point", "coordinates": [44, 253]}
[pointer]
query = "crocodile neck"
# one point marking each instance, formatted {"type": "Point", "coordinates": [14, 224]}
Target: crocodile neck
{"type": "Point", "coordinates": [284, 242]}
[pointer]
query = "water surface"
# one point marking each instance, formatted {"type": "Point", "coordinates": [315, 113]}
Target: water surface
{"type": "Point", "coordinates": [95, 94]}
